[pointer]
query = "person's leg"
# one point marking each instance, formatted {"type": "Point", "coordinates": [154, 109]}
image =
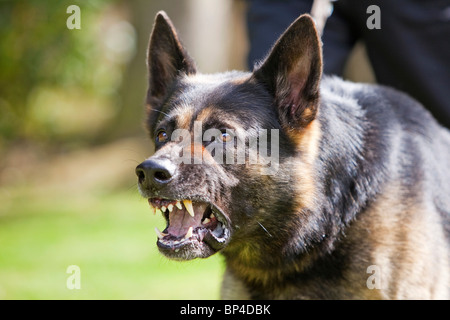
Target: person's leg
{"type": "Point", "coordinates": [339, 38]}
{"type": "Point", "coordinates": [267, 20]}
{"type": "Point", "coordinates": [411, 51]}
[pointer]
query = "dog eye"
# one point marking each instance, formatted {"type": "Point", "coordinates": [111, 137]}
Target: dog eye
{"type": "Point", "coordinates": [161, 136]}
{"type": "Point", "coordinates": [226, 137]}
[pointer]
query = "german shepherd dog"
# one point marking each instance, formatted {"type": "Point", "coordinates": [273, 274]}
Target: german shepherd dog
{"type": "Point", "coordinates": [358, 203]}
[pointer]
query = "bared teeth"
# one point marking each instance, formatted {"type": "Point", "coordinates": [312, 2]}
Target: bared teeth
{"type": "Point", "coordinates": [159, 233]}
{"type": "Point", "coordinates": [163, 208]}
{"type": "Point", "coordinates": [206, 221]}
{"type": "Point", "coordinates": [189, 233]}
{"type": "Point", "coordinates": [189, 207]}
{"type": "Point", "coordinates": [178, 205]}
{"type": "Point", "coordinates": [170, 207]}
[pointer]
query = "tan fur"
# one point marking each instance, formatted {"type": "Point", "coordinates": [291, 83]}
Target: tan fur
{"type": "Point", "coordinates": [400, 238]}
{"type": "Point", "coordinates": [184, 116]}
{"type": "Point", "coordinates": [308, 144]}
{"type": "Point", "coordinates": [205, 113]}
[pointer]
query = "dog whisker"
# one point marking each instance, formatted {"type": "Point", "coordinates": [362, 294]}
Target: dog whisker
{"type": "Point", "coordinates": [154, 110]}
{"type": "Point", "coordinates": [264, 229]}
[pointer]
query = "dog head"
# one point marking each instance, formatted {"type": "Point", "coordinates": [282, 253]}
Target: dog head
{"type": "Point", "coordinates": [212, 177]}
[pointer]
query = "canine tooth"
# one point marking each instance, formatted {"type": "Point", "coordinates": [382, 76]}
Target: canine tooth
{"type": "Point", "coordinates": [189, 207]}
{"type": "Point", "coordinates": [170, 207]}
{"type": "Point", "coordinates": [163, 208]}
{"type": "Point", "coordinates": [159, 233]}
{"type": "Point", "coordinates": [206, 221]}
{"type": "Point", "coordinates": [152, 208]}
{"type": "Point", "coordinates": [178, 205]}
{"type": "Point", "coordinates": [211, 216]}
{"type": "Point", "coordinates": [189, 233]}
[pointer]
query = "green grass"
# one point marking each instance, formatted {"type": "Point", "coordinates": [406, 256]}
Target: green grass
{"type": "Point", "coordinates": [109, 236]}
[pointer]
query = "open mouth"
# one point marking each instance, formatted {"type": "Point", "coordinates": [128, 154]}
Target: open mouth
{"type": "Point", "coordinates": [194, 228]}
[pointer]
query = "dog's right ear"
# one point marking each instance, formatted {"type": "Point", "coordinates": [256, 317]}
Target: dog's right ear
{"type": "Point", "coordinates": [292, 73]}
{"type": "Point", "coordinates": [166, 59]}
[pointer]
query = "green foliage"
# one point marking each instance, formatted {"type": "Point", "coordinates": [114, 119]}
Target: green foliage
{"type": "Point", "coordinates": [55, 83]}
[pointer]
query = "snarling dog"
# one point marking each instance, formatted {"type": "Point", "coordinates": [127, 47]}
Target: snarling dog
{"type": "Point", "coordinates": [358, 203]}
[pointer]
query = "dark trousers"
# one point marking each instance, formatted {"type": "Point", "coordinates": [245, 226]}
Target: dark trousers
{"type": "Point", "coordinates": [411, 51]}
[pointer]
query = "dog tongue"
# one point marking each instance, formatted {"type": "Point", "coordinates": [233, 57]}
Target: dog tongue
{"type": "Point", "coordinates": [180, 220]}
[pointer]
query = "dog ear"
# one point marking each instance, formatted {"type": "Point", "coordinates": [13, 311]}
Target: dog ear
{"type": "Point", "coordinates": [292, 73]}
{"type": "Point", "coordinates": [166, 59]}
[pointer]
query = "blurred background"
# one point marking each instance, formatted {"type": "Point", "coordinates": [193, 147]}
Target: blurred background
{"type": "Point", "coordinates": [71, 134]}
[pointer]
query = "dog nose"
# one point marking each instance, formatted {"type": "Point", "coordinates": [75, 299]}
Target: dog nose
{"type": "Point", "coordinates": [155, 172]}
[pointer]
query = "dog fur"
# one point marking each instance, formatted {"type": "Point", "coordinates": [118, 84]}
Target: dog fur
{"type": "Point", "coordinates": [362, 189]}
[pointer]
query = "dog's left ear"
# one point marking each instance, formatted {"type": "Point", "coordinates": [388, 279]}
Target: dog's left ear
{"type": "Point", "coordinates": [292, 73]}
